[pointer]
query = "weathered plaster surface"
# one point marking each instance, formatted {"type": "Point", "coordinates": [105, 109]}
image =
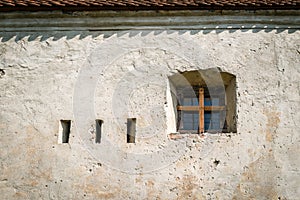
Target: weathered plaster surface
{"type": "Point", "coordinates": [126, 75]}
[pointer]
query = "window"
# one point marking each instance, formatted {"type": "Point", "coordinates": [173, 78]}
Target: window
{"type": "Point", "coordinates": [64, 131]}
{"type": "Point", "coordinates": [198, 112]}
{"type": "Point", "coordinates": [99, 123]}
{"type": "Point", "coordinates": [204, 101]}
{"type": "Point", "coordinates": [131, 129]}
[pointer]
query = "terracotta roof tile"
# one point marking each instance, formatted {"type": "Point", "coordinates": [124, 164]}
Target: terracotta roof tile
{"type": "Point", "coordinates": [149, 4]}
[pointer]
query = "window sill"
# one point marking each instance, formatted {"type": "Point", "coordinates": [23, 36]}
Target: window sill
{"type": "Point", "coordinates": [177, 136]}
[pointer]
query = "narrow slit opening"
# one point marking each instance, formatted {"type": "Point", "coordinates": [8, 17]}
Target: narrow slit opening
{"type": "Point", "coordinates": [99, 123]}
{"type": "Point", "coordinates": [131, 130]}
{"type": "Point", "coordinates": [66, 129]}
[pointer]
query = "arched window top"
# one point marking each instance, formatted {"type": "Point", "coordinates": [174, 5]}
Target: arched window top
{"type": "Point", "coordinates": [202, 78]}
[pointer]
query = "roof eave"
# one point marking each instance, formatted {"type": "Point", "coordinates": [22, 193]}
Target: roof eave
{"type": "Point", "coordinates": [144, 8]}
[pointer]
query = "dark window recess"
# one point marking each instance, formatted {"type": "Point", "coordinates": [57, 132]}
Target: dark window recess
{"type": "Point", "coordinates": [131, 129]}
{"type": "Point", "coordinates": [205, 101]}
{"type": "Point", "coordinates": [66, 128]}
{"type": "Point", "coordinates": [99, 123]}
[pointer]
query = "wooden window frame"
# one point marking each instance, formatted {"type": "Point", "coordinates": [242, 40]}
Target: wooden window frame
{"type": "Point", "coordinates": [201, 108]}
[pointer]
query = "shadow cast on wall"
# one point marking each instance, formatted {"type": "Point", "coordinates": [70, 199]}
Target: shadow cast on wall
{"type": "Point", "coordinates": [57, 35]}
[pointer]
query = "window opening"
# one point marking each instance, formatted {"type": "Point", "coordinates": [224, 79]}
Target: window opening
{"type": "Point", "coordinates": [203, 101]}
{"type": "Point", "coordinates": [65, 131]}
{"type": "Point", "coordinates": [131, 130]}
{"type": "Point", "coordinates": [99, 123]}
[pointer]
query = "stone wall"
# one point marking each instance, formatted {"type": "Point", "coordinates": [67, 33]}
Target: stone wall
{"type": "Point", "coordinates": [83, 75]}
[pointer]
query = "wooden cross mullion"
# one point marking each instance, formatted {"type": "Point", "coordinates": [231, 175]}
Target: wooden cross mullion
{"type": "Point", "coordinates": [201, 110]}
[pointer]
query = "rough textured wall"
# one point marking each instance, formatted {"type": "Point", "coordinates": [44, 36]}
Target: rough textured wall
{"type": "Point", "coordinates": [50, 78]}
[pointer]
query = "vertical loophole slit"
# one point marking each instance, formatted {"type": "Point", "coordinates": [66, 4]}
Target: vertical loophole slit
{"type": "Point", "coordinates": [65, 131]}
{"type": "Point", "coordinates": [131, 129]}
{"type": "Point", "coordinates": [99, 123]}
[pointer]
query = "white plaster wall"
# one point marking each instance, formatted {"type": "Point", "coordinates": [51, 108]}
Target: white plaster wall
{"type": "Point", "coordinates": [51, 78]}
